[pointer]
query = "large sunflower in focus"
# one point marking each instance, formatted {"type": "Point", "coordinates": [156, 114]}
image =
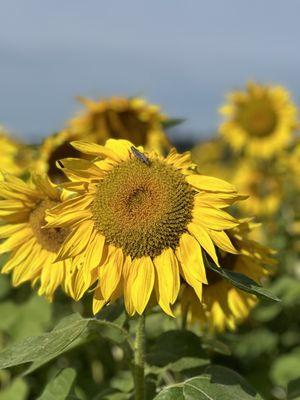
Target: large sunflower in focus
{"type": "Point", "coordinates": [116, 117]}
{"type": "Point", "coordinates": [13, 158]}
{"type": "Point", "coordinates": [259, 120]}
{"type": "Point", "coordinates": [223, 305]}
{"type": "Point", "coordinates": [140, 223]}
{"type": "Point", "coordinates": [32, 249]}
{"type": "Point", "coordinates": [263, 186]}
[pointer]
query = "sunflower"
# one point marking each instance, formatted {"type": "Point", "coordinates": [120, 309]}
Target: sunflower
{"type": "Point", "coordinates": [33, 250]}
{"type": "Point", "coordinates": [213, 158]}
{"type": "Point", "coordinates": [263, 186]}
{"type": "Point", "coordinates": [53, 148]}
{"type": "Point", "coordinates": [122, 118]}
{"type": "Point", "coordinates": [140, 223]}
{"type": "Point", "coordinates": [13, 154]}
{"type": "Point", "coordinates": [259, 121]}
{"type": "Point", "coordinates": [115, 117]}
{"type": "Point", "coordinates": [223, 306]}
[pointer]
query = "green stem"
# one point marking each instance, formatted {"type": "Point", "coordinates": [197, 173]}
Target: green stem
{"type": "Point", "coordinates": [139, 359]}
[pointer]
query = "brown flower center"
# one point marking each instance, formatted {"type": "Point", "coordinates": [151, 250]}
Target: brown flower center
{"type": "Point", "coordinates": [50, 239]}
{"type": "Point", "coordinates": [143, 209]}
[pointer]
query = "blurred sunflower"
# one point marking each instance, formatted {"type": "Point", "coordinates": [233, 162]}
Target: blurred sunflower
{"type": "Point", "coordinates": [223, 305]}
{"type": "Point", "coordinates": [116, 117]}
{"type": "Point", "coordinates": [263, 186]}
{"type": "Point", "coordinates": [14, 155]}
{"type": "Point", "coordinates": [139, 223]}
{"type": "Point", "coordinates": [33, 250]}
{"type": "Point", "coordinates": [213, 158]}
{"type": "Point", "coordinates": [259, 120]}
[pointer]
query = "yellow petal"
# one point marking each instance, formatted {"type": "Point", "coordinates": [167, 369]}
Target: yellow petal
{"type": "Point", "coordinates": [110, 273]}
{"type": "Point", "coordinates": [190, 256]}
{"type": "Point", "coordinates": [204, 239]}
{"type": "Point", "coordinates": [128, 279]}
{"type": "Point", "coordinates": [121, 147]}
{"type": "Point", "coordinates": [96, 150]}
{"type": "Point", "coordinates": [16, 240]}
{"type": "Point", "coordinates": [143, 282]}
{"type": "Point", "coordinates": [213, 218]}
{"type": "Point", "coordinates": [168, 280]}
{"type": "Point", "coordinates": [221, 239]}
{"type": "Point", "coordinates": [209, 183]}
{"type": "Point", "coordinates": [76, 241]}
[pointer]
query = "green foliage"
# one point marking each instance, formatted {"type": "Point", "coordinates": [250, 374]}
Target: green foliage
{"type": "Point", "coordinates": [60, 386]}
{"type": "Point", "coordinates": [17, 390]}
{"type": "Point", "coordinates": [216, 383]}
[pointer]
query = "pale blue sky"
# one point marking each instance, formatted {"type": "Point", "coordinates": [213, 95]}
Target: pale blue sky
{"type": "Point", "coordinates": [183, 55]}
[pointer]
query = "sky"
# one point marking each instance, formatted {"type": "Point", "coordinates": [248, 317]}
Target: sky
{"type": "Point", "coordinates": [183, 55]}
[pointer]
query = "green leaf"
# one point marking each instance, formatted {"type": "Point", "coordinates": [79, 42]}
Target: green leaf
{"type": "Point", "coordinates": [174, 392]}
{"type": "Point", "coordinates": [255, 343]}
{"type": "Point", "coordinates": [219, 383]}
{"type": "Point", "coordinates": [293, 389]}
{"type": "Point", "coordinates": [215, 345]}
{"type": "Point", "coordinates": [71, 331]}
{"type": "Point", "coordinates": [286, 368]}
{"type": "Point", "coordinates": [60, 386]}
{"type": "Point", "coordinates": [173, 345]}
{"type": "Point", "coordinates": [5, 286]}
{"type": "Point", "coordinates": [243, 282]}
{"type": "Point", "coordinates": [16, 391]}
{"type": "Point", "coordinates": [122, 381]}
{"type": "Point", "coordinates": [170, 123]}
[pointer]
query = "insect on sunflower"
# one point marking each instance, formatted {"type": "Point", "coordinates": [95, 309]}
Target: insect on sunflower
{"type": "Point", "coordinates": [139, 228]}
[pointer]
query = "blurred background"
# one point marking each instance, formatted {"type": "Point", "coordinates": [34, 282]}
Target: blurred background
{"type": "Point", "coordinates": [182, 55]}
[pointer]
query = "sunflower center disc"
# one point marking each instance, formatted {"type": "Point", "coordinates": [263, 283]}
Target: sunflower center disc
{"type": "Point", "coordinates": [143, 209]}
{"type": "Point", "coordinates": [258, 118]}
{"type": "Point", "coordinates": [50, 239]}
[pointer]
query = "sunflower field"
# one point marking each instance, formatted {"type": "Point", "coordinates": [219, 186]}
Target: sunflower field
{"type": "Point", "coordinates": [137, 267]}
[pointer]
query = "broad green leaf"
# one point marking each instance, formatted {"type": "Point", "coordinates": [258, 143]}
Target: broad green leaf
{"type": "Point", "coordinates": [172, 346]}
{"type": "Point", "coordinates": [215, 345]}
{"type": "Point", "coordinates": [60, 386]}
{"type": "Point", "coordinates": [41, 349]}
{"type": "Point", "coordinates": [255, 343]}
{"type": "Point", "coordinates": [219, 383]}
{"type": "Point", "coordinates": [174, 392]}
{"type": "Point", "coordinates": [243, 282]}
{"type": "Point", "coordinates": [286, 368]}
{"type": "Point", "coordinates": [293, 389]}
{"type": "Point", "coordinates": [20, 320]}
{"type": "Point", "coordinates": [16, 391]}
{"type": "Point", "coordinates": [122, 381]}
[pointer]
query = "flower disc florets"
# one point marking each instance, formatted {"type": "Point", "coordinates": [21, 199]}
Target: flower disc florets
{"type": "Point", "coordinates": [143, 209]}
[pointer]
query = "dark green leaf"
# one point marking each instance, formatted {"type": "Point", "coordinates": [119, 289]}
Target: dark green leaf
{"type": "Point", "coordinates": [172, 346]}
{"type": "Point", "coordinates": [60, 386]}
{"type": "Point", "coordinates": [174, 392]}
{"type": "Point", "coordinates": [43, 348]}
{"type": "Point", "coordinates": [293, 389]}
{"type": "Point", "coordinates": [286, 368]}
{"type": "Point", "coordinates": [170, 123]}
{"type": "Point", "coordinates": [243, 282]}
{"type": "Point", "coordinates": [219, 383]}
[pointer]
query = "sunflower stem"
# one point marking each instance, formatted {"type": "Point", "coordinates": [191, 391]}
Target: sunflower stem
{"type": "Point", "coordinates": [139, 359]}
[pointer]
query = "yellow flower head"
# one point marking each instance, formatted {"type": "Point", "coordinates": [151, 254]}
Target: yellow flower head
{"type": "Point", "coordinates": [213, 158]}
{"type": "Point", "coordinates": [140, 223]}
{"type": "Point", "coordinates": [263, 186]}
{"type": "Point", "coordinates": [32, 249]}
{"type": "Point", "coordinates": [13, 155]}
{"type": "Point", "coordinates": [259, 121]}
{"type": "Point", "coordinates": [117, 117]}
{"type": "Point", "coordinates": [223, 305]}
